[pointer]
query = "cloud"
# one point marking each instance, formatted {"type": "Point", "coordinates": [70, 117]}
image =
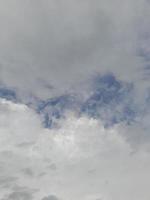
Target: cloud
{"type": "Point", "coordinates": [19, 196]}
{"type": "Point", "coordinates": [52, 46]}
{"type": "Point", "coordinates": [51, 197]}
{"type": "Point", "coordinates": [12, 124]}
{"type": "Point", "coordinates": [52, 53]}
{"type": "Point", "coordinates": [91, 161]}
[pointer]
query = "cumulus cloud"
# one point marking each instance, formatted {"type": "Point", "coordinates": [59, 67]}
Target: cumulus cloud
{"type": "Point", "coordinates": [91, 162]}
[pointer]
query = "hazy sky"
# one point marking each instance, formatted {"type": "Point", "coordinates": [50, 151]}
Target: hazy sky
{"type": "Point", "coordinates": [74, 100]}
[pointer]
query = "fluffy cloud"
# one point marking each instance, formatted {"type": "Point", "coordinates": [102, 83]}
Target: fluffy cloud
{"type": "Point", "coordinates": [19, 125]}
{"type": "Point", "coordinates": [80, 160]}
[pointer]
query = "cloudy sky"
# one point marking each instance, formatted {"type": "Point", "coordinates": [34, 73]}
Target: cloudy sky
{"type": "Point", "coordinates": [74, 100]}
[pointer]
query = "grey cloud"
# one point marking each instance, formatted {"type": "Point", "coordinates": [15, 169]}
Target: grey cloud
{"type": "Point", "coordinates": [28, 172]}
{"type": "Point", "coordinates": [19, 196]}
{"type": "Point", "coordinates": [52, 166]}
{"type": "Point", "coordinates": [51, 197]}
{"type": "Point", "coordinates": [49, 46]}
{"type": "Point", "coordinates": [20, 193]}
{"type": "Point", "coordinates": [7, 182]}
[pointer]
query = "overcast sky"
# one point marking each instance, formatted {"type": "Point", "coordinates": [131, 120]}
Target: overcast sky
{"type": "Point", "coordinates": [74, 100]}
{"type": "Point", "coordinates": [60, 44]}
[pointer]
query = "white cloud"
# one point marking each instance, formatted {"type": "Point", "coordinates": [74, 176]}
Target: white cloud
{"type": "Point", "coordinates": [81, 160]}
{"type": "Point", "coordinates": [18, 124]}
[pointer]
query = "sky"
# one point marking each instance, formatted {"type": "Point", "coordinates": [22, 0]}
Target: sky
{"type": "Point", "coordinates": [74, 100]}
